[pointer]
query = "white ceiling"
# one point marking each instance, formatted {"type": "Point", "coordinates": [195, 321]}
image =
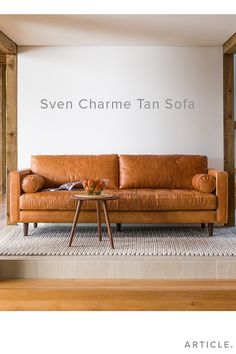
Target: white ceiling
{"type": "Point", "coordinates": [75, 30]}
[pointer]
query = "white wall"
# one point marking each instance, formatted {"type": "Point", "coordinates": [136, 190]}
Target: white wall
{"type": "Point", "coordinates": [121, 73]}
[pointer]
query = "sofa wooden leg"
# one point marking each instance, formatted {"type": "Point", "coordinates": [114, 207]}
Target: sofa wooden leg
{"type": "Point", "coordinates": [118, 227]}
{"type": "Point", "coordinates": [202, 225]}
{"type": "Point", "coordinates": [25, 228]}
{"type": "Point", "coordinates": [210, 229]}
{"type": "Point", "coordinates": [35, 225]}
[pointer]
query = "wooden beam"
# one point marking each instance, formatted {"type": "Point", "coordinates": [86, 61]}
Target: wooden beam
{"type": "Point", "coordinates": [229, 46]}
{"type": "Point", "coordinates": [2, 58]}
{"type": "Point", "coordinates": [109, 295]}
{"type": "Point", "coordinates": [2, 118]}
{"type": "Point", "coordinates": [229, 130]}
{"type": "Point", "coordinates": [2, 128]}
{"type": "Point", "coordinates": [7, 46]}
{"type": "Point", "coordinates": [11, 119]}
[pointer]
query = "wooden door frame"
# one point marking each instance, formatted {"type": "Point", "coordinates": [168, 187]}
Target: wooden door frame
{"type": "Point", "coordinates": [229, 49]}
{"type": "Point", "coordinates": [2, 124]}
{"type": "Point", "coordinates": [8, 117]}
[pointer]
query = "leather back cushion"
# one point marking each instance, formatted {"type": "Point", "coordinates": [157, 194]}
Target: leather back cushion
{"type": "Point", "coordinates": [160, 171]}
{"type": "Point", "coordinates": [59, 169]}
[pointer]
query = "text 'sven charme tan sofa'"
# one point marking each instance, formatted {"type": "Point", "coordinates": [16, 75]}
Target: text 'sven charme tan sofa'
{"type": "Point", "coordinates": [152, 189]}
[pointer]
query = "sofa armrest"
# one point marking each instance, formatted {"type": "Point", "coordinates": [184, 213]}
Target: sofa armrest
{"type": "Point", "coordinates": [15, 192]}
{"type": "Point", "coordinates": [222, 194]}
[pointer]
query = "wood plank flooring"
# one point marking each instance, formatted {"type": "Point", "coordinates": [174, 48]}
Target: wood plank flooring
{"type": "Point", "coordinates": [116, 295]}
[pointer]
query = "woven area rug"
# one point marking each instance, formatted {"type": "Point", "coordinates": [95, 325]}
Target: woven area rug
{"type": "Point", "coordinates": [145, 241]}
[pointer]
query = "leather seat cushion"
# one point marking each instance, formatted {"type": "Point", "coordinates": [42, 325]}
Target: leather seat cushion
{"type": "Point", "coordinates": [130, 200]}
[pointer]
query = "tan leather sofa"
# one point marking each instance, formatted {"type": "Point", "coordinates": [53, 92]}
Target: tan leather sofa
{"type": "Point", "coordinates": [152, 189]}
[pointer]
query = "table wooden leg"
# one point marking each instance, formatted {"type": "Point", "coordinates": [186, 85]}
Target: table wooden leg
{"type": "Point", "coordinates": [26, 228]}
{"type": "Point", "coordinates": [108, 223]}
{"type": "Point", "coordinates": [75, 221]}
{"type": "Point", "coordinates": [99, 220]}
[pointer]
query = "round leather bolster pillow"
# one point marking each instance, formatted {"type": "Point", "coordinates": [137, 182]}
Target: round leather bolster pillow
{"type": "Point", "coordinates": [204, 183]}
{"type": "Point", "coordinates": [32, 183]}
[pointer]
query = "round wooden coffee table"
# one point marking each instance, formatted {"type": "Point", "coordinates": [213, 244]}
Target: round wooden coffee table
{"type": "Point", "coordinates": [99, 199]}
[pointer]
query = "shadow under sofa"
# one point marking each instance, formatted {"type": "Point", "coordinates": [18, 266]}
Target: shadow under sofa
{"type": "Point", "coordinates": [153, 189]}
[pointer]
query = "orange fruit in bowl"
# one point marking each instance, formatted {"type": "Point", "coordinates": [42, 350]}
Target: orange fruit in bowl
{"type": "Point", "coordinates": [94, 185]}
{"type": "Point", "coordinates": [102, 184]}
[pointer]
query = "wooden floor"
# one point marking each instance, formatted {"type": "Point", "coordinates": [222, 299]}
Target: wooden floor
{"type": "Point", "coordinates": [117, 295]}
